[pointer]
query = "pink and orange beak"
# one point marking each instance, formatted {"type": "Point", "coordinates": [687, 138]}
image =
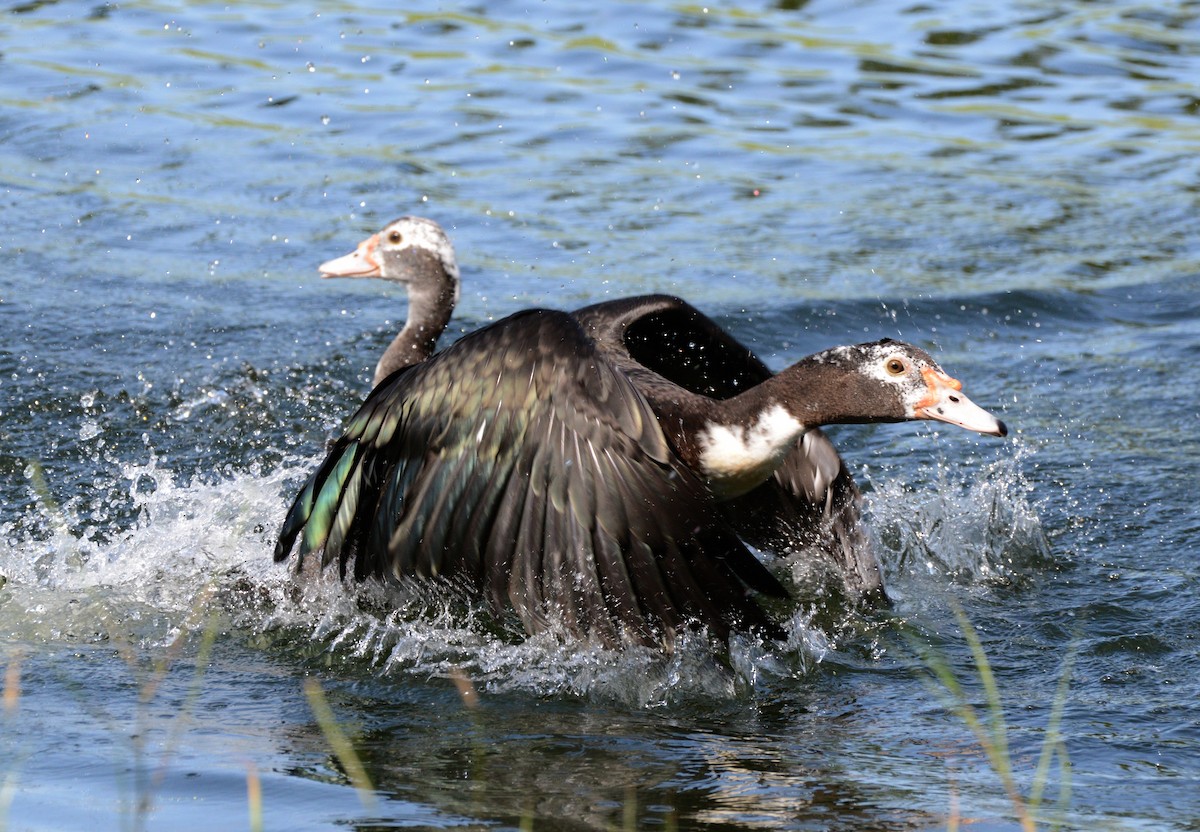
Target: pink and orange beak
{"type": "Point", "coordinates": [359, 263]}
{"type": "Point", "coordinates": [945, 402]}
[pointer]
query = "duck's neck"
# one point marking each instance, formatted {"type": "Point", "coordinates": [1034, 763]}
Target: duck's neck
{"type": "Point", "coordinates": [740, 442]}
{"type": "Point", "coordinates": [428, 314]}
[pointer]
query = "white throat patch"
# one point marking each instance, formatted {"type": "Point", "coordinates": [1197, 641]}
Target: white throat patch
{"type": "Point", "coordinates": [737, 459]}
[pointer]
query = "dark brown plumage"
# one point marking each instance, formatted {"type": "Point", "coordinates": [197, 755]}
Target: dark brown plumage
{"type": "Point", "coordinates": [585, 470]}
{"type": "Point", "coordinates": [521, 462]}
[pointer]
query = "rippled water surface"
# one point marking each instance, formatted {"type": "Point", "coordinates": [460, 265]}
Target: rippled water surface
{"type": "Point", "coordinates": [1013, 185]}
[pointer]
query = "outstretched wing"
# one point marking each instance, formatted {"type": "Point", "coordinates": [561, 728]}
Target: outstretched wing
{"type": "Point", "coordinates": [811, 501]}
{"type": "Point", "coordinates": [520, 462]}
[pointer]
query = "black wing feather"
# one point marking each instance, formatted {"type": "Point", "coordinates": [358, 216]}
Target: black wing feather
{"type": "Point", "coordinates": [521, 462]}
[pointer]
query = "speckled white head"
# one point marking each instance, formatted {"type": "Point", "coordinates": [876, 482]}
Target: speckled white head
{"type": "Point", "coordinates": [416, 253]}
{"type": "Point", "coordinates": [383, 254]}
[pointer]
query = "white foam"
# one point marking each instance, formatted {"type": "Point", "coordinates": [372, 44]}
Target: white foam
{"type": "Point", "coordinates": [208, 544]}
{"type": "Point", "coordinates": [975, 524]}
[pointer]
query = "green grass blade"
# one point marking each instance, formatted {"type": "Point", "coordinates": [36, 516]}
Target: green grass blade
{"type": "Point", "coordinates": [1052, 745]}
{"type": "Point", "coordinates": [997, 728]}
{"type": "Point", "coordinates": [342, 748]}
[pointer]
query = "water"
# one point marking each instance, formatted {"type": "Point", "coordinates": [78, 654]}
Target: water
{"type": "Point", "coordinates": [1014, 186]}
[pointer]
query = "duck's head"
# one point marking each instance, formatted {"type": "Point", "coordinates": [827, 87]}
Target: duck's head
{"type": "Point", "coordinates": [414, 251]}
{"type": "Point", "coordinates": [914, 384]}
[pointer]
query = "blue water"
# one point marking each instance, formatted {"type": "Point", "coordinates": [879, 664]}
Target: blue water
{"type": "Point", "coordinates": [1014, 186]}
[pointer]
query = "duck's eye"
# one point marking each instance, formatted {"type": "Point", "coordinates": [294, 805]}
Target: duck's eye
{"type": "Point", "coordinates": [894, 366]}
{"type": "Point", "coordinates": [395, 238]}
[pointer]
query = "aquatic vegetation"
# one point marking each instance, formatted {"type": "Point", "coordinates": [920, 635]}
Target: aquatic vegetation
{"type": "Point", "coordinates": [339, 743]}
{"type": "Point", "coordinates": [990, 727]}
{"type": "Point", "coordinates": [12, 702]}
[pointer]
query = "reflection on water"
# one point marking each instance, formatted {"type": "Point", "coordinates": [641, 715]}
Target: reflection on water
{"type": "Point", "coordinates": [1013, 185]}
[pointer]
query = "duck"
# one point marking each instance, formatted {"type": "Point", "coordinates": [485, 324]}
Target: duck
{"type": "Point", "coordinates": [546, 464]}
{"type": "Point", "coordinates": [811, 505]}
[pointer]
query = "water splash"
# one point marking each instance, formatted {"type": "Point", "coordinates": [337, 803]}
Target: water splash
{"type": "Point", "coordinates": [74, 577]}
{"type": "Point", "coordinates": [70, 576]}
{"type": "Point", "coordinates": [423, 630]}
{"type": "Point", "coordinates": [971, 525]}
